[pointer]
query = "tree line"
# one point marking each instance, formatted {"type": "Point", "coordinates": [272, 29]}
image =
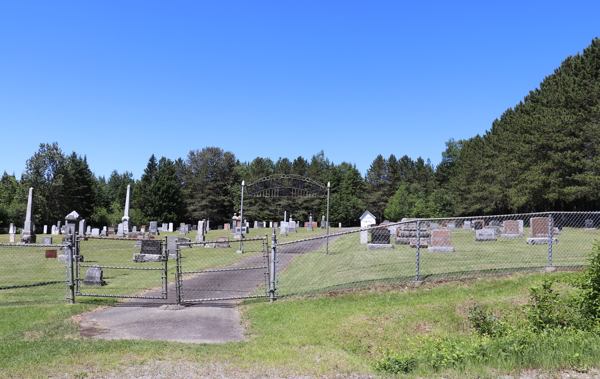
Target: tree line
{"type": "Point", "coordinates": [541, 155]}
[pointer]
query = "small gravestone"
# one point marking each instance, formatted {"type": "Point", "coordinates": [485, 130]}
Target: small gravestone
{"type": "Point", "coordinates": [95, 232]}
{"type": "Point", "coordinates": [433, 225]}
{"type": "Point", "coordinates": [45, 229]}
{"type": "Point", "coordinates": [478, 224]}
{"type": "Point", "coordinates": [94, 277]}
{"type": "Point", "coordinates": [271, 224]}
{"type": "Point", "coordinates": [441, 241]}
{"type": "Point", "coordinates": [380, 239]}
{"type": "Point", "coordinates": [143, 228]}
{"type": "Point", "coordinates": [226, 227]}
{"type": "Point", "coordinates": [283, 230]}
{"type": "Point", "coordinates": [47, 240]}
{"type": "Point", "coordinates": [170, 227]}
{"type": "Point", "coordinates": [485, 235]}
{"type": "Point", "coordinates": [539, 232]}
{"type": "Point", "coordinates": [172, 246]}
{"type": "Point", "coordinates": [88, 230]}
{"type": "Point", "coordinates": [54, 230]}
{"type": "Point", "coordinates": [220, 227]}
{"type": "Point", "coordinates": [589, 225]}
{"type": "Point", "coordinates": [340, 225]}
{"type": "Point", "coordinates": [467, 225]}
{"type": "Point", "coordinates": [292, 227]}
{"type": "Point", "coordinates": [494, 223]}
{"type": "Point", "coordinates": [451, 225]}
{"type": "Point", "coordinates": [184, 242]}
{"type": "Point", "coordinates": [133, 229]}
{"type": "Point", "coordinates": [82, 227]}
{"type": "Point", "coordinates": [50, 254]}
{"type": "Point", "coordinates": [310, 223]}
{"type": "Point", "coordinates": [511, 229]}
{"type": "Point", "coordinates": [120, 231]}
{"type": "Point", "coordinates": [165, 227]}
{"type": "Point", "coordinates": [222, 242]}
{"type": "Point", "coordinates": [110, 231]}
{"type": "Point", "coordinates": [154, 228]}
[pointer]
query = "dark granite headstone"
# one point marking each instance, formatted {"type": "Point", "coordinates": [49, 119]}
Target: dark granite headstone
{"type": "Point", "coordinates": [380, 236]}
{"type": "Point", "coordinates": [150, 247]}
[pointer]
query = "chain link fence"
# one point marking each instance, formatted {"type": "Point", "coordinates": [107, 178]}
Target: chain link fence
{"type": "Point", "coordinates": [121, 268]}
{"type": "Point", "coordinates": [32, 274]}
{"type": "Point", "coordinates": [436, 249]}
{"type": "Point", "coordinates": [385, 254]}
{"type": "Point", "coordinates": [223, 269]}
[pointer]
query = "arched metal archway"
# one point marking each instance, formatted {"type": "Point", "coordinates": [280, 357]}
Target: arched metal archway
{"type": "Point", "coordinates": [286, 185]}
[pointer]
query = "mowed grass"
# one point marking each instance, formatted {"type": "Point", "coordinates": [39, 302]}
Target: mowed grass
{"type": "Point", "coordinates": [350, 264]}
{"type": "Point", "coordinates": [336, 333]}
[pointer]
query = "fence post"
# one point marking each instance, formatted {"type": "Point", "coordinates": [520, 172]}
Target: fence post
{"type": "Point", "coordinates": [165, 252]}
{"type": "Point", "coordinates": [550, 233]}
{"type": "Point", "coordinates": [178, 281]}
{"type": "Point", "coordinates": [273, 267]}
{"type": "Point", "coordinates": [71, 283]}
{"type": "Point", "coordinates": [418, 273]}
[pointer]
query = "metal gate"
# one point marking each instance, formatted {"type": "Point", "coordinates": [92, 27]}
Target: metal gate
{"type": "Point", "coordinates": [225, 270]}
{"type": "Point", "coordinates": [127, 272]}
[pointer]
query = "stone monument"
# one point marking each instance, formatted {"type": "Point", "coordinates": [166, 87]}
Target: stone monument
{"type": "Point", "coordinates": [125, 218]}
{"type": "Point", "coordinates": [539, 231]}
{"type": "Point", "coordinates": [29, 228]}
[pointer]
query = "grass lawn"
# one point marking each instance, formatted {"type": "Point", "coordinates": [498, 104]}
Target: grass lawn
{"type": "Point", "coordinates": [322, 335]}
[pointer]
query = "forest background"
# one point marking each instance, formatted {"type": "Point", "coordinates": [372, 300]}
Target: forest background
{"type": "Point", "coordinates": [541, 155]}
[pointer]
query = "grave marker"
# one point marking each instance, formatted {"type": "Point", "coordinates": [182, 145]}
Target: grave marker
{"type": "Point", "coordinates": [441, 241]}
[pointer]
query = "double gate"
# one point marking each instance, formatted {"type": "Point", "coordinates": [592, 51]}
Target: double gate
{"type": "Point", "coordinates": [198, 271]}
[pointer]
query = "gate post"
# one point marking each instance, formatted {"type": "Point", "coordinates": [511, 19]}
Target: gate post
{"type": "Point", "coordinates": [418, 268]}
{"type": "Point", "coordinates": [273, 267]}
{"type": "Point", "coordinates": [70, 272]}
{"type": "Point", "coordinates": [165, 274]}
{"type": "Point", "coordinates": [178, 273]}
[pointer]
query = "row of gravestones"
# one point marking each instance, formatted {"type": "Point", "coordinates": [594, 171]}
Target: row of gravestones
{"type": "Point", "coordinates": [440, 240]}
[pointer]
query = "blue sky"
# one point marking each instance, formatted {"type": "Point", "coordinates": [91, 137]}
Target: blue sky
{"type": "Point", "coordinates": [118, 81]}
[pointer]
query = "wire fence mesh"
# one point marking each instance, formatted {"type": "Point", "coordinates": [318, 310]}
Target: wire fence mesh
{"type": "Point", "coordinates": [307, 262]}
{"type": "Point", "coordinates": [31, 274]}
{"type": "Point", "coordinates": [436, 249]}
{"type": "Point", "coordinates": [223, 269]}
{"type": "Point", "coordinates": [130, 268]}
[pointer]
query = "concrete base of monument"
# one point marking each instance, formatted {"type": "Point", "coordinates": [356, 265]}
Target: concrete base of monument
{"type": "Point", "coordinates": [379, 246]}
{"type": "Point", "coordinates": [550, 269]}
{"type": "Point", "coordinates": [511, 236]}
{"type": "Point", "coordinates": [239, 251]}
{"type": "Point", "coordinates": [141, 258]}
{"type": "Point", "coordinates": [589, 229]}
{"type": "Point", "coordinates": [485, 239]}
{"type": "Point", "coordinates": [64, 258]}
{"type": "Point", "coordinates": [540, 241]}
{"type": "Point", "coordinates": [441, 249]}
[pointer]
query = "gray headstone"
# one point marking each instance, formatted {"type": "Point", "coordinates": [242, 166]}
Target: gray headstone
{"type": "Point", "coordinates": [47, 240]}
{"type": "Point", "coordinates": [82, 227]}
{"type": "Point", "coordinates": [94, 277]}
{"type": "Point", "coordinates": [467, 225]}
{"type": "Point", "coordinates": [485, 235]}
{"type": "Point", "coordinates": [95, 232]}
{"type": "Point", "coordinates": [120, 230]}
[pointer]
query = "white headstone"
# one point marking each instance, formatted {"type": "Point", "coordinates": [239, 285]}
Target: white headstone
{"type": "Point", "coordinates": [45, 229]}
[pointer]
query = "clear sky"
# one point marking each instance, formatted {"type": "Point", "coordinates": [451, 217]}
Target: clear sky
{"type": "Point", "coordinates": [118, 81]}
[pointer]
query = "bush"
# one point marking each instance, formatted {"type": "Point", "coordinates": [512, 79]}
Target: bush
{"type": "Point", "coordinates": [484, 321]}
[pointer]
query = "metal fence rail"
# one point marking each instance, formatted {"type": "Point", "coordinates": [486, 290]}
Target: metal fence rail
{"type": "Point", "coordinates": [222, 270]}
{"type": "Point", "coordinates": [30, 275]}
{"type": "Point", "coordinates": [437, 249]}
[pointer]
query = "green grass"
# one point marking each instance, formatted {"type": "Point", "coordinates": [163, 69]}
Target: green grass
{"type": "Point", "coordinates": [350, 264]}
{"type": "Point", "coordinates": [321, 335]}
